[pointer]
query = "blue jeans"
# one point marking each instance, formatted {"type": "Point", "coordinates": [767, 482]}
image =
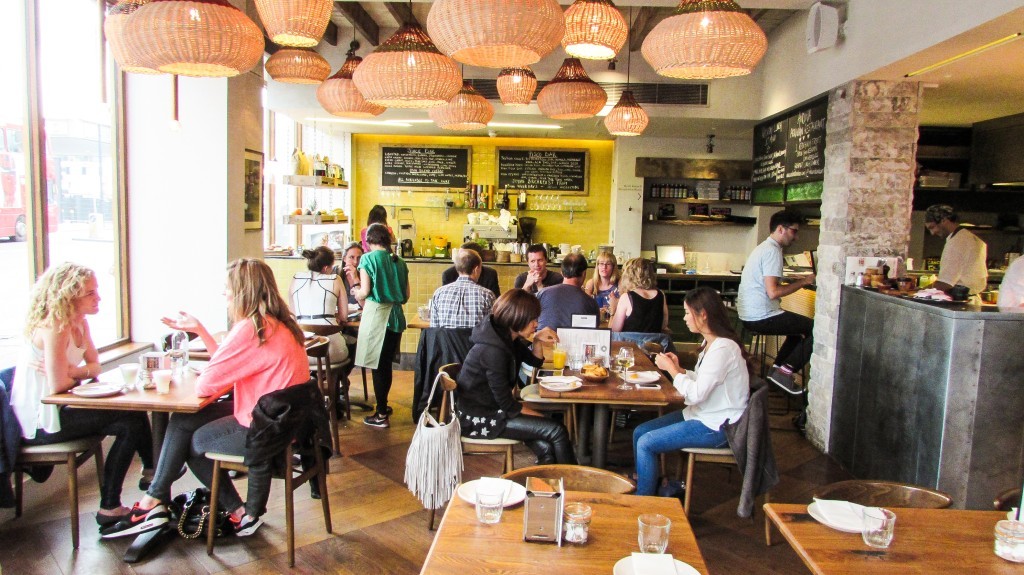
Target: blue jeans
{"type": "Point", "coordinates": [667, 433]}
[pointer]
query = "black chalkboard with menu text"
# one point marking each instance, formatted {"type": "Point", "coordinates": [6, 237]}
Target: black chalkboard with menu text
{"type": "Point", "coordinates": [770, 152]}
{"type": "Point", "coordinates": [424, 167]}
{"type": "Point", "coordinates": [805, 144]}
{"type": "Point", "coordinates": [544, 170]}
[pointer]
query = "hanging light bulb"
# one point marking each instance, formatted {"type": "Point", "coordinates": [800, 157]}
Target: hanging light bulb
{"type": "Point", "coordinates": [296, 23]}
{"type": "Point", "coordinates": [594, 29]}
{"type": "Point", "coordinates": [516, 86]}
{"type": "Point", "coordinates": [496, 33]}
{"type": "Point", "coordinates": [571, 94]}
{"type": "Point", "coordinates": [408, 71]}
{"type": "Point", "coordinates": [467, 110]}
{"type": "Point", "coordinates": [627, 118]}
{"type": "Point", "coordinates": [705, 39]}
{"type": "Point", "coordinates": [298, 66]}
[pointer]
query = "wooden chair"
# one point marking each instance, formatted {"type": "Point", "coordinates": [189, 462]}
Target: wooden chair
{"type": "Point", "coordinates": [293, 479]}
{"type": "Point", "coordinates": [884, 494]}
{"type": "Point", "coordinates": [697, 455]}
{"type": "Point", "coordinates": [327, 381]}
{"type": "Point", "coordinates": [531, 395]}
{"type": "Point", "coordinates": [1007, 500]}
{"type": "Point", "coordinates": [71, 453]}
{"type": "Point", "coordinates": [341, 369]}
{"type": "Point", "coordinates": [576, 478]}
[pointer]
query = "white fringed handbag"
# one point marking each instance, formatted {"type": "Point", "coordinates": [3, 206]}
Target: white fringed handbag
{"type": "Point", "coordinates": [433, 465]}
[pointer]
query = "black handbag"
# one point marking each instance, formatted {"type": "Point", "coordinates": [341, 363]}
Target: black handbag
{"type": "Point", "coordinates": [192, 511]}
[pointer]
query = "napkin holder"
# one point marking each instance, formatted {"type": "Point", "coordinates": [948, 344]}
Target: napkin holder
{"type": "Point", "coordinates": [542, 518]}
{"type": "Point", "coordinates": [150, 362]}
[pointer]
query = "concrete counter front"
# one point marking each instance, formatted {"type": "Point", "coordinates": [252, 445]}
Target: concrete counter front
{"type": "Point", "coordinates": [929, 394]}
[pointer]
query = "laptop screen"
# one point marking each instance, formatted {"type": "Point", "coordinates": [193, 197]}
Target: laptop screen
{"type": "Point", "coordinates": [669, 255]}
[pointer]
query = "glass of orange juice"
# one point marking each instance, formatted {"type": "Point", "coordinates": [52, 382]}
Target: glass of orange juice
{"type": "Point", "coordinates": [558, 357]}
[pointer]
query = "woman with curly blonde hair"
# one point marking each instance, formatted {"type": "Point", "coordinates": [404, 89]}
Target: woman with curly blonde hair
{"type": "Point", "coordinates": [643, 307]}
{"type": "Point", "coordinates": [57, 355]}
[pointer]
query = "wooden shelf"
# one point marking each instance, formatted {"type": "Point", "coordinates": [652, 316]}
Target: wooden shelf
{"type": "Point", "coordinates": [316, 182]}
{"type": "Point", "coordinates": [696, 223]}
{"type": "Point", "coordinates": [697, 201]}
{"type": "Point", "coordinates": [315, 220]}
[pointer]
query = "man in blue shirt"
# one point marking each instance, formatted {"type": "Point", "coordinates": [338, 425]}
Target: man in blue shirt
{"type": "Point", "coordinates": [760, 296]}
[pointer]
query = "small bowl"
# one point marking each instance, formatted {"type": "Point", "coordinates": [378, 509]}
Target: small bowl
{"type": "Point", "coordinates": [594, 378]}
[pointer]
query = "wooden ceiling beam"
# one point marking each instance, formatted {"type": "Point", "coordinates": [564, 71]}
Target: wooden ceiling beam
{"type": "Point", "coordinates": [643, 23]}
{"type": "Point", "coordinates": [360, 20]}
{"type": "Point", "coordinates": [403, 13]}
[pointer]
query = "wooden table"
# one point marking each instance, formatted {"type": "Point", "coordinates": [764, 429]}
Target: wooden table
{"type": "Point", "coordinates": [600, 396]}
{"type": "Point", "coordinates": [926, 541]}
{"type": "Point", "coordinates": [467, 547]}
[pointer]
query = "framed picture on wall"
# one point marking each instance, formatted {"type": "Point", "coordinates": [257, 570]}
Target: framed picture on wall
{"type": "Point", "coordinates": [253, 190]}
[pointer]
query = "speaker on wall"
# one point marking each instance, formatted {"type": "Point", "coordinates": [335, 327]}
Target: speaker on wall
{"type": "Point", "coordinates": [822, 27]}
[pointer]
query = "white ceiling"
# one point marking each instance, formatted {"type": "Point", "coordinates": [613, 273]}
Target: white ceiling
{"type": "Point", "coordinates": [982, 87]}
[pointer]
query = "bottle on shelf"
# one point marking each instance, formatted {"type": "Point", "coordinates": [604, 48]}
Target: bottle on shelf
{"type": "Point", "coordinates": [504, 199]}
{"type": "Point", "coordinates": [522, 200]}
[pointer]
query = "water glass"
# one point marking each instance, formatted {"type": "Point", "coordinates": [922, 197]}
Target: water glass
{"type": "Point", "coordinates": [653, 535]}
{"type": "Point", "coordinates": [162, 379]}
{"type": "Point", "coordinates": [489, 502]}
{"type": "Point", "coordinates": [577, 522]}
{"type": "Point", "coordinates": [130, 374]}
{"type": "Point", "coordinates": [1010, 540]}
{"type": "Point", "coordinates": [877, 529]}
{"type": "Point", "coordinates": [576, 361]}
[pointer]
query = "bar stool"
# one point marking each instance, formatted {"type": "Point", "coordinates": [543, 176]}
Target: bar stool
{"type": "Point", "coordinates": [759, 350]}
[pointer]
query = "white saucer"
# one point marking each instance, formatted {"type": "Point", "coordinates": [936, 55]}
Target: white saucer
{"type": "Point", "coordinates": [560, 386]}
{"type": "Point", "coordinates": [816, 513]}
{"type": "Point", "coordinates": [624, 566]}
{"type": "Point", "coordinates": [515, 494]}
{"type": "Point", "coordinates": [100, 389]}
{"type": "Point", "coordinates": [643, 377]}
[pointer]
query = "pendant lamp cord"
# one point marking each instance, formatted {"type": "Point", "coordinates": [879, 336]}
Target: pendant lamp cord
{"type": "Point", "coordinates": [629, 49]}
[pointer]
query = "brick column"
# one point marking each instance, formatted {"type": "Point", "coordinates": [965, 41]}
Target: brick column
{"type": "Point", "coordinates": [870, 151]}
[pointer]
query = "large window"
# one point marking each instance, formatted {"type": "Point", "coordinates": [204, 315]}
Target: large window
{"type": "Point", "coordinates": [77, 188]}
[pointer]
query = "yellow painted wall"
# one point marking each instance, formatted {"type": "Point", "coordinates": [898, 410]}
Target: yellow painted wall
{"type": "Point", "coordinates": [588, 229]}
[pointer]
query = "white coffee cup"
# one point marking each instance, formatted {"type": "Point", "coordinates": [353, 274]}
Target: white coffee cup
{"type": "Point", "coordinates": [130, 373]}
{"type": "Point", "coordinates": [162, 379]}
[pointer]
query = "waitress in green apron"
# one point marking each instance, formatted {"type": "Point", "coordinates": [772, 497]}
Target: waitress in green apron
{"type": "Point", "coordinates": [383, 288]}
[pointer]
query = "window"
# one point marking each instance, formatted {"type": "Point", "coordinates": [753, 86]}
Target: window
{"type": "Point", "coordinates": [79, 190]}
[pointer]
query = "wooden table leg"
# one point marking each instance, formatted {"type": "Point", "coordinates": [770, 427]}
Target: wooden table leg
{"type": "Point", "coordinates": [600, 445]}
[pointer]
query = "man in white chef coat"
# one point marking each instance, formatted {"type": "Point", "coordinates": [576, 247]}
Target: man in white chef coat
{"type": "Point", "coordinates": [963, 257]}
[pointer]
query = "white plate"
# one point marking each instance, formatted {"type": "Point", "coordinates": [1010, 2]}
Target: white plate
{"type": "Point", "coordinates": [560, 386]}
{"type": "Point", "coordinates": [515, 494]}
{"type": "Point", "coordinates": [643, 377]}
{"type": "Point", "coordinates": [624, 566]}
{"type": "Point", "coordinates": [816, 513]}
{"type": "Point", "coordinates": [100, 389]}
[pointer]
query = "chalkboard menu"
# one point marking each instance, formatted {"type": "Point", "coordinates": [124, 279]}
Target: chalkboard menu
{"type": "Point", "coordinates": [543, 170]}
{"type": "Point", "coordinates": [805, 144]}
{"type": "Point", "coordinates": [770, 152]}
{"type": "Point", "coordinates": [790, 148]}
{"type": "Point", "coordinates": [428, 168]}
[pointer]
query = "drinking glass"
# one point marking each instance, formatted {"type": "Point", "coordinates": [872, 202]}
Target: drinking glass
{"type": "Point", "coordinates": [559, 357]}
{"type": "Point", "coordinates": [1010, 540]}
{"type": "Point", "coordinates": [130, 373]}
{"type": "Point", "coordinates": [653, 534]}
{"type": "Point", "coordinates": [624, 361]}
{"type": "Point", "coordinates": [878, 526]}
{"type": "Point", "coordinates": [489, 502]}
{"type": "Point", "coordinates": [577, 522]}
{"type": "Point", "coordinates": [162, 379]}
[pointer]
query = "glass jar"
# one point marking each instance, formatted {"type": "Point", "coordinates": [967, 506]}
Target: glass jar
{"type": "Point", "coordinates": [1010, 540]}
{"type": "Point", "coordinates": [178, 354]}
{"type": "Point", "coordinates": [577, 522]}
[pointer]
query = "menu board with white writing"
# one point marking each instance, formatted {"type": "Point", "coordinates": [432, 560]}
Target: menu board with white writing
{"type": "Point", "coordinates": [423, 167]}
{"type": "Point", "coordinates": [770, 152]}
{"type": "Point", "coordinates": [805, 144]}
{"type": "Point", "coordinates": [543, 170]}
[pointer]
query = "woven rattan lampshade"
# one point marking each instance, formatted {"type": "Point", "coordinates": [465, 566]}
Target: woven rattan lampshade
{"type": "Point", "coordinates": [594, 29]}
{"type": "Point", "coordinates": [496, 33]}
{"type": "Point", "coordinates": [705, 39]}
{"type": "Point", "coordinates": [516, 86]}
{"type": "Point", "coordinates": [298, 23]}
{"type": "Point", "coordinates": [194, 38]}
{"type": "Point", "coordinates": [408, 71]}
{"type": "Point", "coordinates": [571, 94]}
{"type": "Point", "coordinates": [627, 118]}
{"type": "Point", "coordinates": [298, 66]}
{"type": "Point", "coordinates": [467, 110]}
{"type": "Point", "coordinates": [113, 30]}
{"type": "Point", "coordinates": [340, 97]}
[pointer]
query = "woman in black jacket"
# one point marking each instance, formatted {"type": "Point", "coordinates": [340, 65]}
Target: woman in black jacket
{"type": "Point", "coordinates": [486, 406]}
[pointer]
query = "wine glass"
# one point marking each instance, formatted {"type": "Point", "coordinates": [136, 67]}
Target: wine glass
{"type": "Point", "coordinates": [624, 361]}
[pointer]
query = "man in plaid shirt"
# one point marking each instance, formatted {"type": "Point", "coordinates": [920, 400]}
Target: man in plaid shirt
{"type": "Point", "coordinates": [462, 303]}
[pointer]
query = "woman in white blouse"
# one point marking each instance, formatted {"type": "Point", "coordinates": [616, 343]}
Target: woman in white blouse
{"type": "Point", "coordinates": [715, 392]}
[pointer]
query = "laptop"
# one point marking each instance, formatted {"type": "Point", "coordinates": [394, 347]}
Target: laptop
{"type": "Point", "coordinates": [672, 258]}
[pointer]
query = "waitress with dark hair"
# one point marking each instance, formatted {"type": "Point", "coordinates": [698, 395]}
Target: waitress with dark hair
{"type": "Point", "coordinates": [383, 288]}
{"type": "Point", "coordinates": [378, 215]}
{"type": "Point", "coordinates": [486, 406]}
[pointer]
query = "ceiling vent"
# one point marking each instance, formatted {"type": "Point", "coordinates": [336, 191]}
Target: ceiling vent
{"type": "Point", "coordinates": [692, 94]}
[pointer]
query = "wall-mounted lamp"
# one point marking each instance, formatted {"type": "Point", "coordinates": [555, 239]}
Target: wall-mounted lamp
{"type": "Point", "coordinates": [710, 147]}
{"type": "Point", "coordinates": [611, 63]}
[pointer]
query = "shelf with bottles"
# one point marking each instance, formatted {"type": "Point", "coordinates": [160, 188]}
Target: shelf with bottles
{"type": "Point", "coordinates": [696, 190]}
{"type": "Point", "coordinates": [316, 219]}
{"type": "Point", "coordinates": [322, 182]}
{"type": "Point", "coordinates": [518, 203]}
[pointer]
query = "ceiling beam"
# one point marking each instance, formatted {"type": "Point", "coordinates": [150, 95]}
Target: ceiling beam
{"type": "Point", "coordinates": [643, 23]}
{"type": "Point", "coordinates": [402, 12]}
{"type": "Point", "coordinates": [360, 20]}
{"type": "Point", "coordinates": [331, 34]}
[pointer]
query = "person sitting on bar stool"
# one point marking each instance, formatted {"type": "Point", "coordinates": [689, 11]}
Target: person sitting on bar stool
{"type": "Point", "coordinates": [487, 278]}
{"type": "Point", "coordinates": [760, 295]}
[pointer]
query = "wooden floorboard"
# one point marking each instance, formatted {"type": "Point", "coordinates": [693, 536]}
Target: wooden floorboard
{"type": "Point", "coordinates": [379, 527]}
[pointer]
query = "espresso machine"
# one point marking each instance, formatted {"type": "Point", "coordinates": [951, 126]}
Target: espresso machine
{"type": "Point", "coordinates": [527, 225]}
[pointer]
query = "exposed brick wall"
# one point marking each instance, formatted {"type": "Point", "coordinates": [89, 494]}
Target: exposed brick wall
{"type": "Point", "coordinates": [870, 151]}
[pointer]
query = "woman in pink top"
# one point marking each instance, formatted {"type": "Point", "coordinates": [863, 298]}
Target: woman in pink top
{"type": "Point", "coordinates": [262, 353]}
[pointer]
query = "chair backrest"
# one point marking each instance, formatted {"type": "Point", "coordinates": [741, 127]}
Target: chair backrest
{"type": "Point", "coordinates": [167, 339]}
{"type": "Point", "coordinates": [321, 329]}
{"type": "Point", "coordinates": [884, 494]}
{"type": "Point", "coordinates": [448, 373]}
{"type": "Point", "coordinates": [576, 478]}
{"type": "Point", "coordinates": [320, 348]}
{"type": "Point", "coordinates": [1007, 500]}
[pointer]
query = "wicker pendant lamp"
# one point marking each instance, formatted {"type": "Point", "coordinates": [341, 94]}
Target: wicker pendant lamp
{"type": "Point", "coordinates": [571, 94]}
{"type": "Point", "coordinates": [627, 118]}
{"type": "Point", "coordinates": [467, 110]}
{"type": "Point", "coordinates": [594, 29]}
{"type": "Point", "coordinates": [496, 33]}
{"type": "Point", "coordinates": [298, 23]}
{"type": "Point", "coordinates": [208, 38]}
{"type": "Point", "coordinates": [408, 71]}
{"type": "Point", "coordinates": [339, 95]}
{"type": "Point", "coordinates": [113, 29]}
{"type": "Point", "coordinates": [516, 86]}
{"type": "Point", "coordinates": [298, 66]}
{"type": "Point", "coordinates": [705, 39]}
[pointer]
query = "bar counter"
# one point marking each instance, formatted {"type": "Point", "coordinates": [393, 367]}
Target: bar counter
{"type": "Point", "coordinates": [930, 394]}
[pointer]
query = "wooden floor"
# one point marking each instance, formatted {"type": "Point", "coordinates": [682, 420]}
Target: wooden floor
{"type": "Point", "coordinates": [379, 527]}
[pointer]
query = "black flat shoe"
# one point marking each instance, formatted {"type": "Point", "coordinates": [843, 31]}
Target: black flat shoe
{"type": "Point", "coordinates": [39, 473]}
{"type": "Point", "coordinates": [108, 520]}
